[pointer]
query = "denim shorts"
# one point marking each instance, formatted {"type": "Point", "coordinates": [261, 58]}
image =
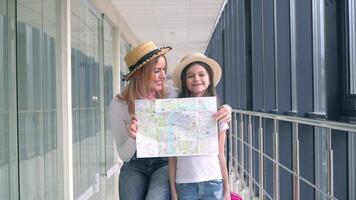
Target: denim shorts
{"type": "Point", "coordinates": [208, 190]}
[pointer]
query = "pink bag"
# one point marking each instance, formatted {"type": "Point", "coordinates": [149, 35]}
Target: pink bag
{"type": "Point", "coordinates": [235, 196]}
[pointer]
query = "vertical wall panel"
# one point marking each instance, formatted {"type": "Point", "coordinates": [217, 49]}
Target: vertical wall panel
{"type": "Point", "coordinates": [304, 58]}
{"type": "Point", "coordinates": [268, 55]}
{"type": "Point", "coordinates": [225, 55]}
{"type": "Point", "coordinates": [234, 53]}
{"type": "Point", "coordinates": [304, 63]}
{"type": "Point", "coordinates": [283, 96]}
{"type": "Point", "coordinates": [283, 56]}
{"type": "Point", "coordinates": [257, 55]}
{"type": "Point", "coordinates": [247, 41]}
{"type": "Point", "coordinates": [335, 21]}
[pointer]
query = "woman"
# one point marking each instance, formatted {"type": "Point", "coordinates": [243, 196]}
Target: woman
{"type": "Point", "coordinates": [143, 178]}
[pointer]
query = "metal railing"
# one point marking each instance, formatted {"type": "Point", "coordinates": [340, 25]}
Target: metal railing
{"type": "Point", "coordinates": [240, 163]}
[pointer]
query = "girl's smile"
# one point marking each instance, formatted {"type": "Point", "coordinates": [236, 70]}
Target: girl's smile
{"type": "Point", "coordinates": [197, 80]}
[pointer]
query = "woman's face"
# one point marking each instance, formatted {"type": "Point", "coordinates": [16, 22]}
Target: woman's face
{"type": "Point", "coordinates": [159, 75]}
{"type": "Point", "coordinates": [197, 80]}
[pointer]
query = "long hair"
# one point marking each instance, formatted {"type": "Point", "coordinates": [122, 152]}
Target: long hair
{"type": "Point", "coordinates": [210, 91]}
{"type": "Point", "coordinates": [140, 85]}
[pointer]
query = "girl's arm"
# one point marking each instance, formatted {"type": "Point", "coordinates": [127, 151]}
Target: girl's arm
{"type": "Point", "coordinates": [223, 168]}
{"type": "Point", "coordinates": [172, 165]}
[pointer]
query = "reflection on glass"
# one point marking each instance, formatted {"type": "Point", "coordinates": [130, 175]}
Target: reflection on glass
{"type": "Point", "coordinates": [85, 98]}
{"type": "Point", "coordinates": [49, 99]}
{"type": "Point", "coordinates": [4, 106]}
{"type": "Point", "coordinates": [108, 95]}
{"type": "Point", "coordinates": [3, 6]}
{"type": "Point", "coordinates": [30, 115]}
{"type": "Point", "coordinates": [36, 78]}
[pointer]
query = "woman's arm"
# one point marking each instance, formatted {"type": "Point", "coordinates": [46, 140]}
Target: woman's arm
{"type": "Point", "coordinates": [172, 166]}
{"type": "Point", "coordinates": [222, 162]}
{"type": "Point", "coordinates": [125, 145]}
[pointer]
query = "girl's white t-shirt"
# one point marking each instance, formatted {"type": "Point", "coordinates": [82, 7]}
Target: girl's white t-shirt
{"type": "Point", "coordinates": [193, 169]}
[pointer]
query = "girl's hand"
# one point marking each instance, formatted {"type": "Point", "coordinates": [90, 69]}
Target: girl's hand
{"type": "Point", "coordinates": [224, 113]}
{"type": "Point", "coordinates": [132, 127]}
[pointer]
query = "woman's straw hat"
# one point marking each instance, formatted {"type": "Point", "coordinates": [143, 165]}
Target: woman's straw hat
{"type": "Point", "coordinates": [141, 55]}
{"type": "Point", "coordinates": [194, 57]}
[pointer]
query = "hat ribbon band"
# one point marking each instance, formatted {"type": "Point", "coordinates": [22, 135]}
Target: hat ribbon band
{"type": "Point", "coordinates": [143, 59]}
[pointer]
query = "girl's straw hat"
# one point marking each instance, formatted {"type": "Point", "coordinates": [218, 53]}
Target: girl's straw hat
{"type": "Point", "coordinates": [141, 55]}
{"type": "Point", "coordinates": [194, 57]}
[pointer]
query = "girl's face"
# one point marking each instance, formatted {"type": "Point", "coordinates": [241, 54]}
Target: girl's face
{"type": "Point", "coordinates": [197, 80]}
{"type": "Point", "coordinates": [159, 75]}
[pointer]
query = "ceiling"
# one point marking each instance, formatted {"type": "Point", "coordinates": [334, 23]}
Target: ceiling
{"type": "Point", "coordinates": [185, 25]}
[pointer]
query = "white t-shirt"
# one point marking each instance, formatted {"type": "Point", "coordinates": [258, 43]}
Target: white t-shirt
{"type": "Point", "coordinates": [193, 169]}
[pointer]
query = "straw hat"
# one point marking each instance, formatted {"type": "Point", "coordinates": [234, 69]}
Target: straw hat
{"type": "Point", "coordinates": [141, 55]}
{"type": "Point", "coordinates": [194, 57]}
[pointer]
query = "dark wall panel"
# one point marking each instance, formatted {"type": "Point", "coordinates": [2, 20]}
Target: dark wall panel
{"type": "Point", "coordinates": [268, 55]}
{"type": "Point", "coordinates": [257, 55]}
{"type": "Point", "coordinates": [304, 57]}
{"type": "Point", "coordinates": [283, 56]}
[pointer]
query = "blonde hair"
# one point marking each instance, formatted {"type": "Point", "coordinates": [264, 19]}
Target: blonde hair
{"type": "Point", "coordinates": [140, 85]}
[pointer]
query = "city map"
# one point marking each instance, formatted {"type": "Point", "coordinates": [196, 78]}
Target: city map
{"type": "Point", "coordinates": [176, 127]}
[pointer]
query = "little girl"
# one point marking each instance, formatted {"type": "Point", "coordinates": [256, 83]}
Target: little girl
{"type": "Point", "coordinates": [199, 177]}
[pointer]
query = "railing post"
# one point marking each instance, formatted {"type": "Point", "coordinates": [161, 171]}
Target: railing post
{"type": "Point", "coordinates": [250, 154]}
{"type": "Point", "coordinates": [242, 152]}
{"type": "Point", "coordinates": [276, 157]}
{"type": "Point", "coordinates": [330, 164]}
{"type": "Point", "coordinates": [296, 180]}
{"type": "Point", "coordinates": [235, 149]}
{"type": "Point", "coordinates": [229, 149]}
{"type": "Point", "coordinates": [261, 169]}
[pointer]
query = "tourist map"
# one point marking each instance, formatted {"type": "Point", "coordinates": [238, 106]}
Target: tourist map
{"type": "Point", "coordinates": [176, 127]}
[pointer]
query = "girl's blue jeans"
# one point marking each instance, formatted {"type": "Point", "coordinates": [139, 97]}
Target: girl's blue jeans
{"type": "Point", "coordinates": [208, 190]}
{"type": "Point", "coordinates": [144, 178]}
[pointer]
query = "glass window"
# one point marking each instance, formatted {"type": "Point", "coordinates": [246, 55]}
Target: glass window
{"type": "Point", "coordinates": [49, 45]}
{"type": "Point", "coordinates": [37, 111]}
{"type": "Point", "coordinates": [108, 95]}
{"type": "Point", "coordinates": [3, 8]}
{"type": "Point", "coordinates": [108, 85]}
{"type": "Point", "coordinates": [85, 97]}
{"type": "Point", "coordinates": [4, 106]}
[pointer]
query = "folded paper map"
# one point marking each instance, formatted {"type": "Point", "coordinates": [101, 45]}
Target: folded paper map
{"type": "Point", "coordinates": [176, 127]}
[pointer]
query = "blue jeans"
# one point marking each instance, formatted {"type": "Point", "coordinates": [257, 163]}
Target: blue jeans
{"type": "Point", "coordinates": [144, 178]}
{"type": "Point", "coordinates": [208, 190]}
